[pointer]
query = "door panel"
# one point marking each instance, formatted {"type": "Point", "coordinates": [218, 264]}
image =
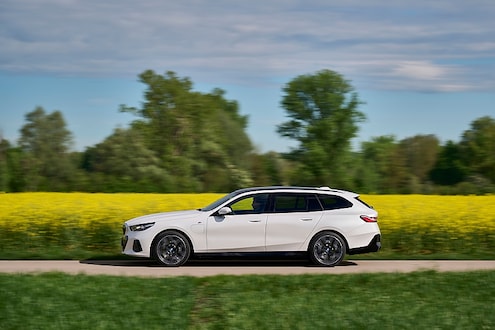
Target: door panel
{"type": "Point", "coordinates": [288, 231]}
{"type": "Point", "coordinates": [236, 233]}
{"type": "Point", "coordinates": [293, 218]}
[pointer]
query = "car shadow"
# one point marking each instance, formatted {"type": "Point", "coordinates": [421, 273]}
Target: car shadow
{"type": "Point", "coordinates": [217, 262]}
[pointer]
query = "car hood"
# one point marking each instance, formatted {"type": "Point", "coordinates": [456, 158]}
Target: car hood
{"type": "Point", "coordinates": [164, 216]}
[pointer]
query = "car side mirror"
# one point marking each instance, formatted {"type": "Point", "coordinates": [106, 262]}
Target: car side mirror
{"type": "Point", "coordinates": [225, 210]}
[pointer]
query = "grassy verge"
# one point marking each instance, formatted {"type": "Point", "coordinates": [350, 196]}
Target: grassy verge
{"type": "Point", "coordinates": [359, 301]}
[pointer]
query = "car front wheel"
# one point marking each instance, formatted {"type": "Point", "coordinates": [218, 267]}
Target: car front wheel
{"type": "Point", "coordinates": [327, 249]}
{"type": "Point", "coordinates": [171, 249]}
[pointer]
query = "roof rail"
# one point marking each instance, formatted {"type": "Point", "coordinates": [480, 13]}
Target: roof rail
{"type": "Point", "coordinates": [325, 188]}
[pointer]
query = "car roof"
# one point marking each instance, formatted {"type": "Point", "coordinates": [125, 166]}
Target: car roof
{"type": "Point", "coordinates": [297, 188]}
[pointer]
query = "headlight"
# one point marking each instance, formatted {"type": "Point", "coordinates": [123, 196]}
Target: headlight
{"type": "Point", "coordinates": [141, 226]}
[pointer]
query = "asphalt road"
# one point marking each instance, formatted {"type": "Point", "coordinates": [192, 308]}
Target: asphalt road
{"type": "Point", "coordinates": [201, 268]}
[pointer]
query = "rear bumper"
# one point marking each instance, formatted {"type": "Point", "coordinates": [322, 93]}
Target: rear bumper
{"type": "Point", "coordinates": [374, 246]}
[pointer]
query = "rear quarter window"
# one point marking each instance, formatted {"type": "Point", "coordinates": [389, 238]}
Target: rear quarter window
{"type": "Point", "coordinates": [332, 202]}
{"type": "Point", "coordinates": [364, 203]}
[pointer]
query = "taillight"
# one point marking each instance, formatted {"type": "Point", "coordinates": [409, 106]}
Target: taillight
{"type": "Point", "coordinates": [367, 218]}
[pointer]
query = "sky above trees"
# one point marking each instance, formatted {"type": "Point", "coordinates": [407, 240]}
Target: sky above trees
{"type": "Point", "coordinates": [421, 67]}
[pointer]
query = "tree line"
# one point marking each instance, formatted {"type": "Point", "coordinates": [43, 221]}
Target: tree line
{"type": "Point", "coordinates": [183, 140]}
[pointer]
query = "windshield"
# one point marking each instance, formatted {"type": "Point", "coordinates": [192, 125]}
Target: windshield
{"type": "Point", "coordinates": [219, 202]}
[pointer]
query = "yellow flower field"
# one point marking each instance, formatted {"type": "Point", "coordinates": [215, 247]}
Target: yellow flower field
{"type": "Point", "coordinates": [410, 224]}
{"type": "Point", "coordinates": [84, 209]}
{"type": "Point", "coordinates": [443, 224]}
{"type": "Point", "coordinates": [80, 221]}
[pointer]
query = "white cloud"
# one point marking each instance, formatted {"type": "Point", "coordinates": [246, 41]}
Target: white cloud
{"type": "Point", "coordinates": [419, 70]}
{"type": "Point", "coordinates": [397, 45]}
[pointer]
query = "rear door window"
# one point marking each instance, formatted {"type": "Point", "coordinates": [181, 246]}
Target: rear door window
{"type": "Point", "coordinates": [283, 203]}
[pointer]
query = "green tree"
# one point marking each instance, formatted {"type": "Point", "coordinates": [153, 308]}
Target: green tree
{"type": "Point", "coordinates": [15, 169]}
{"type": "Point", "coordinates": [478, 148]}
{"type": "Point", "coordinates": [4, 170]}
{"type": "Point", "coordinates": [323, 112]}
{"type": "Point", "coordinates": [448, 169]}
{"type": "Point", "coordinates": [398, 178]}
{"type": "Point", "coordinates": [420, 153]}
{"type": "Point", "coordinates": [45, 142]}
{"type": "Point", "coordinates": [199, 138]}
{"type": "Point", "coordinates": [376, 164]}
{"type": "Point", "coordinates": [124, 163]}
{"type": "Point", "coordinates": [270, 169]}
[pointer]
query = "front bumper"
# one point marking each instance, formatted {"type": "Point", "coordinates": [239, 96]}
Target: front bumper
{"type": "Point", "coordinates": [133, 245]}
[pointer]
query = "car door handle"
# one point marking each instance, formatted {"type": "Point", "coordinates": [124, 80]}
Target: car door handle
{"type": "Point", "coordinates": [306, 219]}
{"type": "Point", "coordinates": [255, 220]}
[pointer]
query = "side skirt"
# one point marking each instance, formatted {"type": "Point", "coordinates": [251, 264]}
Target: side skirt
{"type": "Point", "coordinates": [252, 255]}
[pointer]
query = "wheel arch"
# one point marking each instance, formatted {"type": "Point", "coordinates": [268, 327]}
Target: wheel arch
{"type": "Point", "coordinates": [157, 237]}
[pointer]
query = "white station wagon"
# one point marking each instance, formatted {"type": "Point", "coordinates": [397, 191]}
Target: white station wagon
{"type": "Point", "coordinates": [322, 223]}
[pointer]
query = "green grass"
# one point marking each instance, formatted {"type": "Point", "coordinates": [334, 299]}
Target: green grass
{"type": "Point", "coordinates": [418, 300]}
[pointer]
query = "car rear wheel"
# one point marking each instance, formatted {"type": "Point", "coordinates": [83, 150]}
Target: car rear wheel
{"type": "Point", "coordinates": [327, 249]}
{"type": "Point", "coordinates": [171, 248]}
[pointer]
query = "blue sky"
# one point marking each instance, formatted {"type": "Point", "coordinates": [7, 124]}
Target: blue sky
{"type": "Point", "coordinates": [422, 67]}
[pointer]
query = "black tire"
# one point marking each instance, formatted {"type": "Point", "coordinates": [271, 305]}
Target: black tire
{"type": "Point", "coordinates": [327, 249]}
{"type": "Point", "coordinates": [171, 249]}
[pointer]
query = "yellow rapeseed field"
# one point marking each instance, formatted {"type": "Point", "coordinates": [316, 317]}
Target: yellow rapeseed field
{"type": "Point", "coordinates": [442, 224]}
{"type": "Point", "coordinates": [79, 221]}
{"type": "Point", "coordinates": [83, 209]}
{"type": "Point", "coordinates": [410, 224]}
